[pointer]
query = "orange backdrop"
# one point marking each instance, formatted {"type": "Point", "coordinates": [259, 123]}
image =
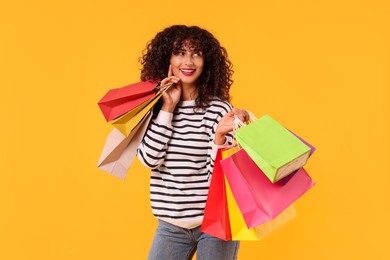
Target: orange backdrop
{"type": "Point", "coordinates": [322, 68]}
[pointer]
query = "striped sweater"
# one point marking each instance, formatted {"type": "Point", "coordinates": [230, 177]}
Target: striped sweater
{"type": "Point", "coordinates": [179, 148]}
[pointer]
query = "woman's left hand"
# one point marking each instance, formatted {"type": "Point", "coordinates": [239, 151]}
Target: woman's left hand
{"type": "Point", "coordinates": [225, 125]}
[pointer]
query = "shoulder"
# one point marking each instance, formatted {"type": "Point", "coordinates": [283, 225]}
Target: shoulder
{"type": "Point", "coordinates": [220, 105]}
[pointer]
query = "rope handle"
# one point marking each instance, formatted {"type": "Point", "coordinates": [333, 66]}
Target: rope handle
{"type": "Point", "coordinates": [238, 124]}
{"type": "Point", "coordinates": [163, 88]}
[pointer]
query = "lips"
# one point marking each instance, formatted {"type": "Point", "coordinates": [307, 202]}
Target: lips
{"type": "Point", "coordinates": [187, 71]}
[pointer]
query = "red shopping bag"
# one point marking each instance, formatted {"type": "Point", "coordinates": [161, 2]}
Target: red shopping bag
{"type": "Point", "coordinates": [121, 100]}
{"type": "Point", "coordinates": [258, 198]}
{"type": "Point", "coordinates": [216, 216]}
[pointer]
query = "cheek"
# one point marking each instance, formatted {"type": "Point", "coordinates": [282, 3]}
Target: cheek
{"type": "Point", "coordinates": [200, 67]}
{"type": "Point", "coordinates": [175, 62]}
{"type": "Point", "coordinates": [175, 66]}
{"type": "Point", "coordinates": [200, 64]}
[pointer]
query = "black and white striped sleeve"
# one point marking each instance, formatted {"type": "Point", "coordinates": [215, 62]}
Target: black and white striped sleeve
{"type": "Point", "coordinates": [153, 147]}
{"type": "Point", "coordinates": [226, 107]}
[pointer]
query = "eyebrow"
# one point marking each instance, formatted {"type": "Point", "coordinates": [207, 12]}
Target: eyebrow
{"type": "Point", "coordinates": [190, 49]}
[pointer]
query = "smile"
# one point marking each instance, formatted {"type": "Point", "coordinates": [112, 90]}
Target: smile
{"type": "Point", "coordinates": [187, 72]}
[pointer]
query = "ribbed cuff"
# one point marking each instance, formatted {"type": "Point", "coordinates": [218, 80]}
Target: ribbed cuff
{"type": "Point", "coordinates": [215, 147]}
{"type": "Point", "coordinates": [164, 118]}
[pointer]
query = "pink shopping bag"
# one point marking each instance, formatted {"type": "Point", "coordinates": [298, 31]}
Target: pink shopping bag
{"type": "Point", "coordinates": [258, 198]}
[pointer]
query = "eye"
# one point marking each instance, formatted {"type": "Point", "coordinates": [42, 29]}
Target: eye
{"type": "Point", "coordinates": [178, 53]}
{"type": "Point", "coordinates": [197, 54]}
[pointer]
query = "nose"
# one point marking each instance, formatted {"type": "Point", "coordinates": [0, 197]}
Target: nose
{"type": "Point", "coordinates": [188, 59]}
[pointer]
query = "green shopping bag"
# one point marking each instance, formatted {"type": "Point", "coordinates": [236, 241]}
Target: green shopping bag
{"type": "Point", "coordinates": [272, 147]}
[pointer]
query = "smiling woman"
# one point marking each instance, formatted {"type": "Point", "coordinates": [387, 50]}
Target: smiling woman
{"type": "Point", "coordinates": [214, 80]}
{"type": "Point", "coordinates": [187, 63]}
{"type": "Point", "coordinates": [193, 121]}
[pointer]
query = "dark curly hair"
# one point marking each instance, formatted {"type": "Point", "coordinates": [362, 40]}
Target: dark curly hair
{"type": "Point", "coordinates": [215, 79]}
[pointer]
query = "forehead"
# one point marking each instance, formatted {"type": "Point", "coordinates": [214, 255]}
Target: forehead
{"type": "Point", "coordinates": [188, 45]}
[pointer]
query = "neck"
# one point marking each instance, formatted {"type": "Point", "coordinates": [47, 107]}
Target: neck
{"type": "Point", "coordinates": [188, 92]}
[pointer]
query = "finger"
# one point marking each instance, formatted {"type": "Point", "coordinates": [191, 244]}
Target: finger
{"type": "Point", "coordinates": [167, 80]}
{"type": "Point", "coordinates": [246, 115]}
{"type": "Point", "coordinates": [230, 113]}
{"type": "Point", "coordinates": [242, 114]}
{"type": "Point", "coordinates": [162, 83]}
{"type": "Point", "coordinates": [170, 73]}
{"type": "Point", "coordinates": [234, 112]}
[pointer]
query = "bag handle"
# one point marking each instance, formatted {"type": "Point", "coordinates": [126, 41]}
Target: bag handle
{"type": "Point", "coordinates": [163, 88]}
{"type": "Point", "coordinates": [237, 123]}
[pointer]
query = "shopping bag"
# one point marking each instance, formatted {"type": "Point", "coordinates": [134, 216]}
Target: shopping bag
{"type": "Point", "coordinates": [269, 227]}
{"type": "Point", "coordinates": [274, 149]}
{"type": "Point", "coordinates": [238, 227]}
{"type": "Point", "coordinates": [312, 148]}
{"type": "Point", "coordinates": [119, 151]}
{"type": "Point", "coordinates": [216, 218]}
{"type": "Point", "coordinates": [127, 122]}
{"type": "Point", "coordinates": [259, 199]}
{"type": "Point", "coordinates": [119, 101]}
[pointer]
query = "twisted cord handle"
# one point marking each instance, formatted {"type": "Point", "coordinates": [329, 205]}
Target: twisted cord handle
{"type": "Point", "coordinates": [238, 124]}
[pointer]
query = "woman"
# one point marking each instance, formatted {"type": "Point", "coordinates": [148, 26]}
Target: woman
{"type": "Point", "coordinates": [193, 121]}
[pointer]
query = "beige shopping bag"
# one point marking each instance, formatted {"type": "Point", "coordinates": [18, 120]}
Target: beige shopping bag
{"type": "Point", "coordinates": [119, 150]}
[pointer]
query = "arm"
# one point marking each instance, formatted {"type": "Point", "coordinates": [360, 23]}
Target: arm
{"type": "Point", "coordinates": [222, 135]}
{"type": "Point", "coordinates": [153, 147]}
{"type": "Point", "coordinates": [217, 141]}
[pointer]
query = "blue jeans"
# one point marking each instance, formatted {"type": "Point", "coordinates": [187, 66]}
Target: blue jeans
{"type": "Point", "coordinates": [176, 243]}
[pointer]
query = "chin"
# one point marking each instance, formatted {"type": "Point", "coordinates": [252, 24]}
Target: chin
{"type": "Point", "coordinates": [188, 81]}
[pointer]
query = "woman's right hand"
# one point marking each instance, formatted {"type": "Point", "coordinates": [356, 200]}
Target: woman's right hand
{"type": "Point", "coordinates": [172, 95]}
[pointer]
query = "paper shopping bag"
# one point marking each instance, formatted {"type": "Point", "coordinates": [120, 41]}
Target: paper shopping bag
{"type": "Point", "coordinates": [239, 229]}
{"type": "Point", "coordinates": [259, 199]}
{"type": "Point", "coordinates": [126, 123]}
{"type": "Point", "coordinates": [216, 218]}
{"type": "Point", "coordinates": [119, 151]}
{"type": "Point", "coordinates": [119, 101]}
{"type": "Point", "coordinates": [312, 148]}
{"type": "Point", "coordinates": [238, 226]}
{"type": "Point", "coordinates": [269, 227]}
{"type": "Point", "coordinates": [274, 149]}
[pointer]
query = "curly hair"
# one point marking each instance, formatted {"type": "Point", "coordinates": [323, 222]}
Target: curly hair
{"type": "Point", "coordinates": [215, 79]}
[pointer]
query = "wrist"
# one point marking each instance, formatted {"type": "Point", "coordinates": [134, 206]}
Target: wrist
{"type": "Point", "coordinates": [219, 139]}
{"type": "Point", "coordinates": [168, 108]}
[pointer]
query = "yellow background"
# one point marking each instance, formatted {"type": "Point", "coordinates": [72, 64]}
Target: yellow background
{"type": "Point", "coordinates": [322, 68]}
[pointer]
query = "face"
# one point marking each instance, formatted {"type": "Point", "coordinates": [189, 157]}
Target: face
{"type": "Point", "coordinates": [187, 64]}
